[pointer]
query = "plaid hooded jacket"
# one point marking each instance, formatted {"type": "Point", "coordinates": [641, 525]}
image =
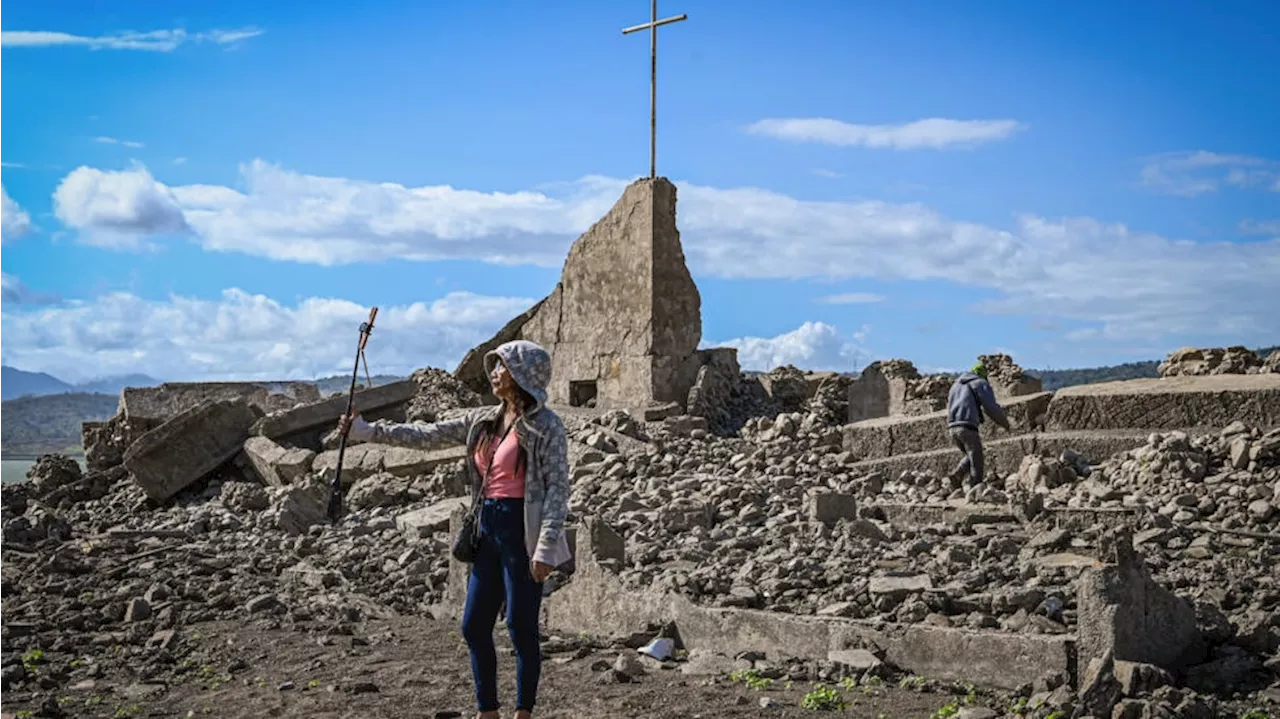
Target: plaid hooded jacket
{"type": "Point", "coordinates": [540, 432]}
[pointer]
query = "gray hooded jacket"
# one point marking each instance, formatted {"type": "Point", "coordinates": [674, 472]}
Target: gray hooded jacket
{"type": "Point", "coordinates": [541, 434]}
{"type": "Point", "coordinates": [969, 396]}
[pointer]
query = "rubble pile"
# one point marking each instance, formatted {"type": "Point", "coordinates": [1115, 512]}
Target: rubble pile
{"type": "Point", "coordinates": [1007, 377]}
{"type": "Point", "coordinates": [773, 514]}
{"type": "Point", "coordinates": [1194, 362]}
{"type": "Point", "coordinates": [438, 390]}
{"type": "Point", "coordinates": [830, 401]}
{"type": "Point", "coordinates": [922, 394]}
{"type": "Point", "coordinates": [96, 567]}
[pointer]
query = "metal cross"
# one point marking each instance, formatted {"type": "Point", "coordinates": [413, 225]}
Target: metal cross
{"type": "Point", "coordinates": [652, 26]}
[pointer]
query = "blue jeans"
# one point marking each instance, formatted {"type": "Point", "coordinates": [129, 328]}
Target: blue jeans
{"type": "Point", "coordinates": [501, 573]}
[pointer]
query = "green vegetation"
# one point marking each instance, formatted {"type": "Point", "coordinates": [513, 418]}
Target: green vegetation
{"type": "Point", "coordinates": [824, 698]}
{"type": "Point", "coordinates": [752, 679]}
{"type": "Point", "coordinates": [51, 423]}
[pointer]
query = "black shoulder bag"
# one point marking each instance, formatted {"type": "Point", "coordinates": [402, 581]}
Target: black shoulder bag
{"type": "Point", "coordinates": [467, 544]}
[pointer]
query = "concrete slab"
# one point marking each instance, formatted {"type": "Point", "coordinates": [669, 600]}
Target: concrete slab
{"type": "Point", "coordinates": [1168, 403]}
{"type": "Point", "coordinates": [276, 465]}
{"type": "Point", "coordinates": [189, 446]}
{"type": "Point", "coordinates": [914, 516]}
{"type": "Point", "coordinates": [890, 436]}
{"type": "Point", "coordinates": [158, 404]}
{"type": "Point", "coordinates": [361, 460]}
{"type": "Point", "coordinates": [1004, 455]}
{"type": "Point", "coordinates": [596, 602]}
{"type": "Point", "coordinates": [325, 413]}
{"type": "Point", "coordinates": [421, 523]}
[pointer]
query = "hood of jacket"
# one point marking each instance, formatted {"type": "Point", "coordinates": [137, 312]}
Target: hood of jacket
{"type": "Point", "coordinates": [529, 365]}
{"type": "Point", "coordinates": [968, 377]}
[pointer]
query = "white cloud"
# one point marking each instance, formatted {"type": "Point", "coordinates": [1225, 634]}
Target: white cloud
{"type": "Point", "coordinates": [246, 336]}
{"type": "Point", "coordinates": [1188, 174]}
{"type": "Point", "coordinates": [155, 40]}
{"type": "Point", "coordinates": [14, 221]}
{"type": "Point", "coordinates": [102, 139]}
{"type": "Point", "coordinates": [1260, 227]}
{"type": "Point", "coordinates": [179, 160]}
{"type": "Point", "coordinates": [117, 209]}
{"type": "Point", "coordinates": [852, 298]}
{"type": "Point", "coordinates": [1126, 282]}
{"type": "Point", "coordinates": [811, 346]}
{"type": "Point", "coordinates": [15, 292]}
{"type": "Point", "coordinates": [933, 133]}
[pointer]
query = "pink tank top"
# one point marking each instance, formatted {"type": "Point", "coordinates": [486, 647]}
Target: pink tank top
{"type": "Point", "coordinates": [505, 481]}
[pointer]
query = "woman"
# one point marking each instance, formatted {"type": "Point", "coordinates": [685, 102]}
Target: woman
{"type": "Point", "coordinates": [519, 473]}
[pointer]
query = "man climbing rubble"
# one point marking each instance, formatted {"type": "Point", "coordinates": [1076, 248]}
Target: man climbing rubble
{"type": "Point", "coordinates": [970, 395]}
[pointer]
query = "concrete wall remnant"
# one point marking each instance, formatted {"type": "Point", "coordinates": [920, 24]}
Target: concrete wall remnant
{"type": "Point", "coordinates": [624, 323]}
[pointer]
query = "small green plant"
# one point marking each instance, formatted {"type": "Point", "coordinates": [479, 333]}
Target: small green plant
{"type": "Point", "coordinates": [92, 700]}
{"type": "Point", "coordinates": [848, 684]}
{"type": "Point", "coordinates": [1255, 714]}
{"type": "Point", "coordinates": [1058, 714]}
{"type": "Point", "coordinates": [314, 683]}
{"type": "Point", "coordinates": [23, 714]}
{"type": "Point", "coordinates": [752, 678]}
{"type": "Point", "coordinates": [824, 698]}
{"type": "Point", "coordinates": [946, 711]}
{"type": "Point", "coordinates": [32, 658]}
{"type": "Point", "coordinates": [76, 663]}
{"type": "Point", "coordinates": [126, 712]}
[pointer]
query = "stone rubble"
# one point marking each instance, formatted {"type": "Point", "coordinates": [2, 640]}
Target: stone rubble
{"type": "Point", "coordinates": [1195, 362]}
{"type": "Point", "coordinates": [768, 515]}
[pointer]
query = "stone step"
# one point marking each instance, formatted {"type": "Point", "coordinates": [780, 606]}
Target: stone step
{"type": "Point", "coordinates": [891, 436]}
{"type": "Point", "coordinates": [1194, 404]}
{"type": "Point", "coordinates": [1005, 455]}
{"type": "Point", "coordinates": [1168, 403]}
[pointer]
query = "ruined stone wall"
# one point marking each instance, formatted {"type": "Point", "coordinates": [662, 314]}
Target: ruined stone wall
{"type": "Point", "coordinates": [624, 321]}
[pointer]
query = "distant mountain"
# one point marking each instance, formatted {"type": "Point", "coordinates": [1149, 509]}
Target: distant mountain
{"type": "Point", "coordinates": [339, 383]}
{"type": "Point", "coordinates": [15, 383]}
{"type": "Point", "coordinates": [113, 385]}
{"type": "Point", "coordinates": [42, 424]}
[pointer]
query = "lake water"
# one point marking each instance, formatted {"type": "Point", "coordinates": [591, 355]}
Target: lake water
{"type": "Point", "coordinates": [15, 470]}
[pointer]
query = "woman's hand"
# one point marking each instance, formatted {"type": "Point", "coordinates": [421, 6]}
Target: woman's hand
{"type": "Point", "coordinates": [541, 571]}
{"type": "Point", "coordinates": [354, 427]}
{"type": "Point", "coordinates": [344, 422]}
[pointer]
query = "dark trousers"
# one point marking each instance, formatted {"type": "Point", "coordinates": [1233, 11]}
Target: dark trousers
{"type": "Point", "coordinates": [501, 574]}
{"type": "Point", "coordinates": [967, 440]}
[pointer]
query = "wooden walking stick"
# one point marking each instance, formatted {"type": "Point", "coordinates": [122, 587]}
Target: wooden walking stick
{"type": "Point", "coordinates": [335, 491]}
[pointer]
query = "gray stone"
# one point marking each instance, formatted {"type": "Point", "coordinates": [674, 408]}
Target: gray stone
{"type": "Point", "coordinates": [138, 610]}
{"type": "Point", "coordinates": [325, 413]}
{"type": "Point", "coordinates": [1124, 614]}
{"type": "Point", "coordinates": [1136, 678]}
{"type": "Point", "coordinates": [899, 587]}
{"type": "Point", "coordinates": [162, 403]}
{"type": "Point", "coordinates": [854, 661]}
{"type": "Point", "coordinates": [831, 507]}
{"type": "Point", "coordinates": [422, 523]}
{"type": "Point", "coordinates": [624, 322]}
{"type": "Point", "coordinates": [1099, 689]}
{"type": "Point", "coordinates": [189, 446]}
{"type": "Point", "coordinates": [277, 465]}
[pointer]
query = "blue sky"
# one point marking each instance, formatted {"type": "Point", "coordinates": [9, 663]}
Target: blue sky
{"type": "Point", "coordinates": [223, 191]}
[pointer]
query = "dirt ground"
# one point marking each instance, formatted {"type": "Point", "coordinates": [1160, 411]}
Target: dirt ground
{"type": "Point", "coordinates": [418, 667]}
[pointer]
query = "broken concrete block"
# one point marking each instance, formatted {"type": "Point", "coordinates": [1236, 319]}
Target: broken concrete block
{"type": "Point", "coordinates": [325, 413]}
{"type": "Point", "coordinates": [422, 523]}
{"type": "Point", "coordinates": [899, 587]}
{"type": "Point", "coordinates": [159, 404]}
{"type": "Point", "coordinates": [854, 661]}
{"type": "Point", "coordinates": [276, 465]}
{"type": "Point", "coordinates": [831, 507]}
{"type": "Point", "coordinates": [298, 506]}
{"type": "Point", "coordinates": [1125, 614]}
{"type": "Point", "coordinates": [308, 575]}
{"type": "Point", "coordinates": [1099, 689]}
{"type": "Point", "coordinates": [189, 446]}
